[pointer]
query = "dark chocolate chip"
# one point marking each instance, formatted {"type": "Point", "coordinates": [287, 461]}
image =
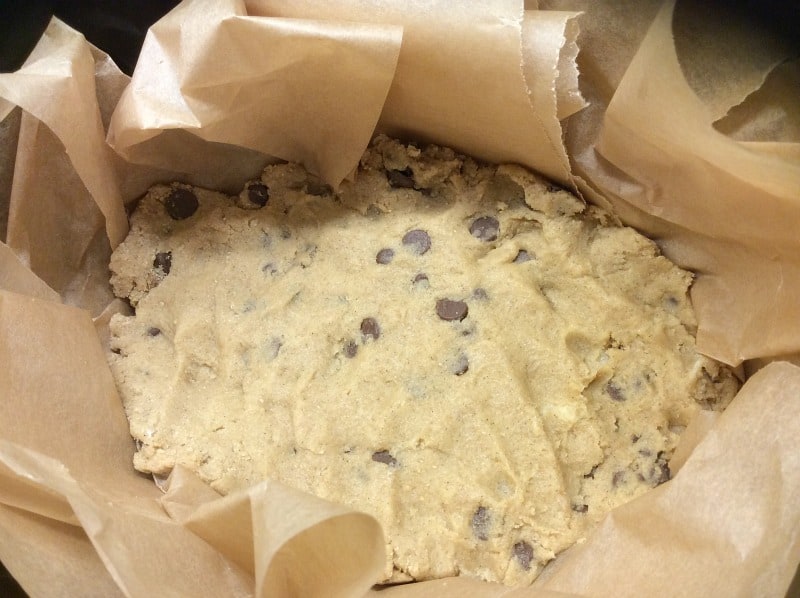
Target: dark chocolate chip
{"type": "Point", "coordinates": [116, 351]}
{"type": "Point", "coordinates": [384, 256]}
{"type": "Point", "coordinates": [181, 203]}
{"type": "Point", "coordinates": [450, 310]}
{"type": "Point", "coordinates": [418, 240]}
{"type": "Point", "coordinates": [592, 472]}
{"type": "Point", "coordinates": [522, 256]}
{"type": "Point", "coordinates": [384, 457]}
{"type": "Point", "coordinates": [618, 478]}
{"type": "Point", "coordinates": [664, 472]}
{"type": "Point", "coordinates": [461, 365]}
{"type": "Point", "coordinates": [258, 194]}
{"type": "Point", "coordinates": [481, 523]}
{"type": "Point", "coordinates": [635, 438]}
{"type": "Point", "coordinates": [614, 391]}
{"type": "Point", "coordinates": [370, 328]}
{"type": "Point", "coordinates": [420, 278]}
{"type": "Point", "coordinates": [523, 552]}
{"type": "Point", "coordinates": [580, 508]}
{"type": "Point", "coordinates": [163, 261]}
{"type": "Point", "coordinates": [318, 188]}
{"type": "Point", "coordinates": [350, 349]}
{"type": "Point", "coordinates": [400, 179]}
{"type": "Point", "coordinates": [480, 294]}
{"type": "Point", "coordinates": [153, 331]}
{"type": "Point", "coordinates": [485, 228]}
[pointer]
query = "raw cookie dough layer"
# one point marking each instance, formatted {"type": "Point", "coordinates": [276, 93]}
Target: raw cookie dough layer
{"type": "Point", "coordinates": [474, 357]}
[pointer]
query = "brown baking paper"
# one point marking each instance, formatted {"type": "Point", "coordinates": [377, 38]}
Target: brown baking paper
{"type": "Point", "coordinates": [57, 86]}
{"type": "Point", "coordinates": [460, 65]}
{"type": "Point", "coordinates": [722, 207]}
{"type": "Point", "coordinates": [416, 66]}
{"type": "Point", "coordinates": [283, 87]}
{"type": "Point", "coordinates": [76, 519]}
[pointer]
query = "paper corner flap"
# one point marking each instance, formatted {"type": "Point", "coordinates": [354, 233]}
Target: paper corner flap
{"type": "Point", "coordinates": [272, 68]}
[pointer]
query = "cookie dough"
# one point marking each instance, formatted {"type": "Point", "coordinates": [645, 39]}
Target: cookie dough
{"type": "Point", "coordinates": [474, 357]}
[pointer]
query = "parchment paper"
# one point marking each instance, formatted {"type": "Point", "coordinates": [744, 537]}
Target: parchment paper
{"type": "Point", "coordinates": [215, 85]}
{"type": "Point", "coordinates": [723, 208]}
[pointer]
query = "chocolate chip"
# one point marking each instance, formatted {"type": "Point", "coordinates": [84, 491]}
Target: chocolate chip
{"type": "Point", "coordinates": [384, 457]}
{"type": "Point", "coordinates": [181, 203]}
{"type": "Point", "coordinates": [580, 508]}
{"type": "Point", "coordinates": [485, 228]}
{"type": "Point", "coordinates": [350, 349]}
{"type": "Point", "coordinates": [418, 240]}
{"type": "Point", "coordinates": [523, 552]}
{"type": "Point", "coordinates": [461, 365]}
{"type": "Point", "coordinates": [258, 193]}
{"type": "Point", "coordinates": [400, 179]}
{"type": "Point", "coordinates": [153, 331]}
{"type": "Point", "coordinates": [664, 472]}
{"type": "Point", "coordinates": [481, 523]}
{"type": "Point", "coordinates": [635, 438]}
{"type": "Point", "coordinates": [420, 278]}
{"type": "Point", "coordinates": [370, 328]}
{"type": "Point", "coordinates": [318, 188]}
{"type": "Point", "coordinates": [384, 256]}
{"type": "Point", "coordinates": [592, 472]}
{"type": "Point", "coordinates": [163, 261]}
{"type": "Point", "coordinates": [522, 256]}
{"type": "Point", "coordinates": [618, 478]}
{"type": "Point", "coordinates": [614, 391]}
{"type": "Point", "coordinates": [450, 310]}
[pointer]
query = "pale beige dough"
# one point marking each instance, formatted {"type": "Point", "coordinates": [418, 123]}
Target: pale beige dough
{"type": "Point", "coordinates": [485, 445]}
